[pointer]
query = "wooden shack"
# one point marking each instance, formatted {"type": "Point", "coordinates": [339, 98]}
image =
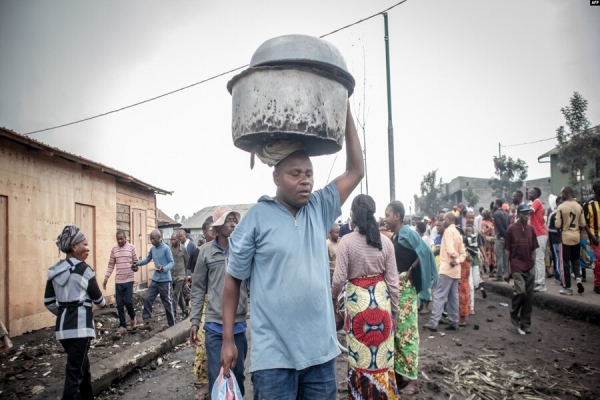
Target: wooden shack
{"type": "Point", "coordinates": [42, 189]}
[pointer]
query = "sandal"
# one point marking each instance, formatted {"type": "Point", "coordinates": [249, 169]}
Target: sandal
{"type": "Point", "coordinates": [132, 324]}
{"type": "Point", "coordinates": [410, 389]}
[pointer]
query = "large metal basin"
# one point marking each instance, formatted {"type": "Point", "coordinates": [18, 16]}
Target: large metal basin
{"type": "Point", "coordinates": [303, 50]}
{"type": "Point", "coordinates": [289, 102]}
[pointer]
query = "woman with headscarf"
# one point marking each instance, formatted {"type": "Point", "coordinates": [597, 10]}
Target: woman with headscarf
{"type": "Point", "coordinates": [366, 260]}
{"type": "Point", "coordinates": [70, 292]}
{"type": "Point", "coordinates": [415, 263]}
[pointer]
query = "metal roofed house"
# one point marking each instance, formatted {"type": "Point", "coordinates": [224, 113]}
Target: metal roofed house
{"type": "Point", "coordinates": [194, 223]}
{"type": "Point", "coordinates": [166, 225]}
{"type": "Point", "coordinates": [561, 179]}
{"type": "Point", "coordinates": [42, 189]}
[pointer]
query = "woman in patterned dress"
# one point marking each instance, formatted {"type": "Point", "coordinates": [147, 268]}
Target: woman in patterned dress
{"type": "Point", "coordinates": [489, 234]}
{"type": "Point", "coordinates": [366, 260]}
{"type": "Point", "coordinates": [415, 263]}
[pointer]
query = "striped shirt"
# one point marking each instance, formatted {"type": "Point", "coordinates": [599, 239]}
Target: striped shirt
{"type": "Point", "coordinates": [70, 291]}
{"type": "Point", "coordinates": [592, 216]}
{"type": "Point", "coordinates": [122, 257]}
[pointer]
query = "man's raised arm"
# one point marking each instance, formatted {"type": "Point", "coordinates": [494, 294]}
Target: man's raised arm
{"type": "Point", "coordinates": [355, 166]}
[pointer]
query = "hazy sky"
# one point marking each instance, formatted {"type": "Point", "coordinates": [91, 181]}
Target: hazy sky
{"type": "Point", "coordinates": [466, 75]}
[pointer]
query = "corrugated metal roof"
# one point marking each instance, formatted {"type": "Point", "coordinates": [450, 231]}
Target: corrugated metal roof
{"type": "Point", "coordinates": [165, 220]}
{"type": "Point", "coordinates": [196, 220]}
{"type": "Point", "coordinates": [54, 151]}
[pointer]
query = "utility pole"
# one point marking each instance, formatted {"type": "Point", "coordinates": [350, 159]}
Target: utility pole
{"type": "Point", "coordinates": [390, 125]}
{"type": "Point", "coordinates": [499, 150]}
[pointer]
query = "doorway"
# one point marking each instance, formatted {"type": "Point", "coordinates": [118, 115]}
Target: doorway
{"type": "Point", "coordinates": [4, 260]}
{"type": "Point", "coordinates": [140, 241]}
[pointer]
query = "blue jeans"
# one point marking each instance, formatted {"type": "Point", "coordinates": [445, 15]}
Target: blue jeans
{"type": "Point", "coordinates": [214, 342]}
{"type": "Point", "coordinates": [124, 298]}
{"type": "Point", "coordinates": [312, 383]}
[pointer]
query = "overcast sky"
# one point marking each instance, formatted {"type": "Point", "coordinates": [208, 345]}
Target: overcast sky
{"type": "Point", "coordinates": [466, 75]}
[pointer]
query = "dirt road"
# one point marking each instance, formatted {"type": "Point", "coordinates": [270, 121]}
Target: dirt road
{"type": "Point", "coordinates": [34, 368]}
{"type": "Point", "coordinates": [488, 359]}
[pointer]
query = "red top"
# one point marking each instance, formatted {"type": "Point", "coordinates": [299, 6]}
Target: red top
{"type": "Point", "coordinates": [536, 220]}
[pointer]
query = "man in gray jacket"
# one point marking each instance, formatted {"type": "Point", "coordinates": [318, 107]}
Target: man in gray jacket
{"type": "Point", "coordinates": [209, 279]}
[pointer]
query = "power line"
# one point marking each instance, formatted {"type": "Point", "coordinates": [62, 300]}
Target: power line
{"type": "Point", "coordinates": [139, 102]}
{"type": "Point", "coordinates": [199, 82]}
{"type": "Point", "coordinates": [522, 144]}
{"type": "Point", "coordinates": [363, 20]}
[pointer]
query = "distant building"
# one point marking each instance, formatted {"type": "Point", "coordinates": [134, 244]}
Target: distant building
{"type": "Point", "coordinates": [194, 223]}
{"type": "Point", "coordinates": [166, 225]}
{"type": "Point", "coordinates": [453, 192]}
{"type": "Point", "coordinates": [42, 189]}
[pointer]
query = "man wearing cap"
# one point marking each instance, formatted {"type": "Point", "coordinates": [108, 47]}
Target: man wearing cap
{"type": "Point", "coordinates": [520, 246]}
{"type": "Point", "coordinates": [280, 244]}
{"type": "Point", "coordinates": [209, 278]}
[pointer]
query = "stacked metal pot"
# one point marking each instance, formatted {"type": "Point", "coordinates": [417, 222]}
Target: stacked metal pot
{"type": "Point", "coordinates": [296, 88]}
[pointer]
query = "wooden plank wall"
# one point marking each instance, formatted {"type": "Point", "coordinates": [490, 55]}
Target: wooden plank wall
{"type": "Point", "coordinates": [41, 191]}
{"type": "Point", "coordinates": [124, 218]}
{"type": "Point", "coordinates": [3, 258]}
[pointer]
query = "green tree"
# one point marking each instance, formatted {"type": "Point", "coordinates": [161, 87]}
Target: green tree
{"type": "Point", "coordinates": [176, 218]}
{"type": "Point", "coordinates": [183, 219]}
{"type": "Point", "coordinates": [578, 146]}
{"type": "Point", "coordinates": [471, 197]}
{"type": "Point", "coordinates": [431, 190]}
{"type": "Point", "coordinates": [510, 175]}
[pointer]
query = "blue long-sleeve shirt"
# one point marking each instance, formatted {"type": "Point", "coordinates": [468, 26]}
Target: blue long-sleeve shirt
{"type": "Point", "coordinates": [161, 255]}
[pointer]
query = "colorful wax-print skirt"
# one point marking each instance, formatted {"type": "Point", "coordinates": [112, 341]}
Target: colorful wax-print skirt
{"type": "Point", "coordinates": [200, 362]}
{"type": "Point", "coordinates": [464, 289]}
{"type": "Point", "coordinates": [370, 340]}
{"type": "Point", "coordinates": [406, 341]}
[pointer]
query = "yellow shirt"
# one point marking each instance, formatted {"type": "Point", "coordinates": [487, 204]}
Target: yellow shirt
{"type": "Point", "coordinates": [593, 216]}
{"type": "Point", "coordinates": [569, 218]}
{"type": "Point", "coordinates": [452, 249]}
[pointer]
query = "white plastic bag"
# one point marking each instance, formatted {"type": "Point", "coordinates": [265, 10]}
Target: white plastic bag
{"type": "Point", "coordinates": [226, 388]}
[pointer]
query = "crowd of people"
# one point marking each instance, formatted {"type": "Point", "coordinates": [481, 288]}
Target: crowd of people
{"type": "Point", "coordinates": [290, 261]}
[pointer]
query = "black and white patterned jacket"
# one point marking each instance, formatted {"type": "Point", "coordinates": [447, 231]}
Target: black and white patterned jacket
{"type": "Point", "coordinates": [70, 291]}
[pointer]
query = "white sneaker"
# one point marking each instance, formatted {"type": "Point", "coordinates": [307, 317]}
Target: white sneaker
{"type": "Point", "coordinates": [566, 292]}
{"type": "Point", "coordinates": [580, 288]}
{"type": "Point", "coordinates": [540, 289]}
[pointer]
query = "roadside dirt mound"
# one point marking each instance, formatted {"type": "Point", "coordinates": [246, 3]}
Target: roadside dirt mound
{"type": "Point", "coordinates": [37, 360]}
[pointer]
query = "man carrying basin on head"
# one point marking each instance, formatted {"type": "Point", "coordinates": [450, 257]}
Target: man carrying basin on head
{"type": "Point", "coordinates": [280, 246]}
